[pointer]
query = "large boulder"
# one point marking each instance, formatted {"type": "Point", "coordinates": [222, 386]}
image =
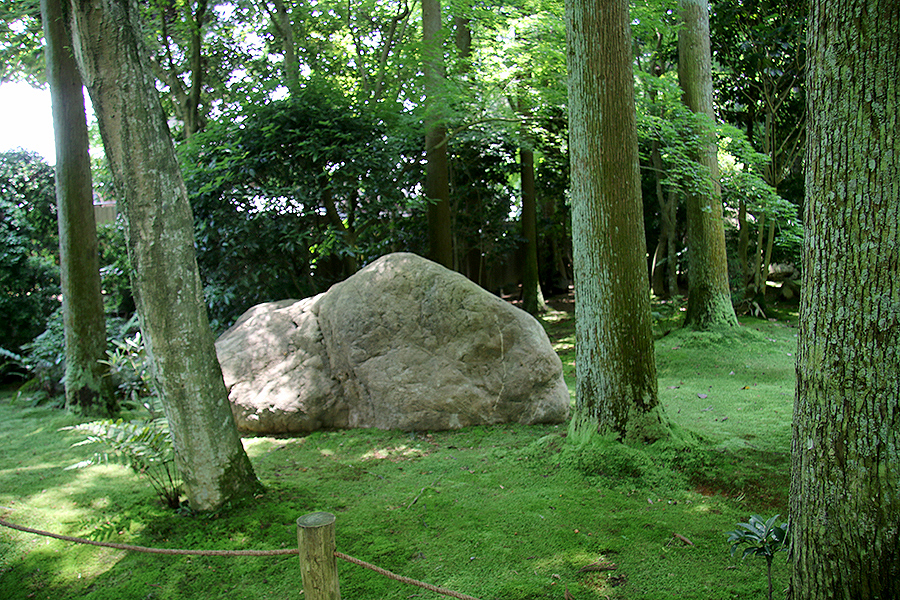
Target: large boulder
{"type": "Point", "coordinates": [402, 344]}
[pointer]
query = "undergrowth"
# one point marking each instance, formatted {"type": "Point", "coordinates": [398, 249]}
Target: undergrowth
{"type": "Point", "coordinates": [502, 512]}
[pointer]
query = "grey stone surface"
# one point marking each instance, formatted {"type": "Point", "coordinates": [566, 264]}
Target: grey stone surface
{"type": "Point", "coordinates": [402, 344]}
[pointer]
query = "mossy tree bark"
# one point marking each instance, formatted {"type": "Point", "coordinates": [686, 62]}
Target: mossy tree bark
{"type": "Point", "coordinates": [168, 291]}
{"type": "Point", "coordinates": [616, 388]}
{"type": "Point", "coordinates": [709, 294]}
{"type": "Point", "coordinates": [84, 320]}
{"type": "Point", "coordinates": [437, 168]}
{"type": "Point", "coordinates": [845, 489]}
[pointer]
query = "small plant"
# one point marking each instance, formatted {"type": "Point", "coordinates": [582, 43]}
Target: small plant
{"type": "Point", "coordinates": [44, 359]}
{"type": "Point", "coordinates": [143, 446]}
{"type": "Point", "coordinates": [129, 366]}
{"type": "Point", "coordinates": [764, 538]}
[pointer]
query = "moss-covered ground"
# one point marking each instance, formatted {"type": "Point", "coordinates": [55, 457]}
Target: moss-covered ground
{"type": "Point", "coordinates": [502, 512]}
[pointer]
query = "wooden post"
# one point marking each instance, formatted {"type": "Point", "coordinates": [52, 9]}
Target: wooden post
{"type": "Point", "coordinates": [318, 565]}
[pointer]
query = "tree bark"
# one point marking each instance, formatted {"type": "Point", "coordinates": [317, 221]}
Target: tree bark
{"type": "Point", "coordinates": [664, 272]}
{"type": "Point", "coordinates": [437, 169]}
{"type": "Point", "coordinates": [532, 297]}
{"type": "Point", "coordinates": [186, 100]}
{"type": "Point", "coordinates": [281, 18]}
{"type": "Point", "coordinates": [709, 294]}
{"type": "Point", "coordinates": [84, 320]}
{"type": "Point", "coordinates": [616, 389]}
{"type": "Point", "coordinates": [844, 504]}
{"type": "Point", "coordinates": [168, 291]}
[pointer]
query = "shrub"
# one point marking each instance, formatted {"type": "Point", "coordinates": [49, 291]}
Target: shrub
{"type": "Point", "coordinates": [29, 276]}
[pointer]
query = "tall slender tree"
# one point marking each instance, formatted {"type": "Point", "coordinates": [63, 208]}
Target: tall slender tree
{"type": "Point", "coordinates": [84, 320]}
{"type": "Point", "coordinates": [168, 292]}
{"type": "Point", "coordinates": [437, 168]}
{"type": "Point", "coordinates": [845, 485]}
{"type": "Point", "coordinates": [709, 294]}
{"type": "Point", "coordinates": [532, 296]}
{"type": "Point", "coordinates": [616, 389]}
{"type": "Point", "coordinates": [281, 21]}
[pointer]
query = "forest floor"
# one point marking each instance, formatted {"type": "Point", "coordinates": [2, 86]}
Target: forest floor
{"type": "Point", "coordinates": [501, 512]}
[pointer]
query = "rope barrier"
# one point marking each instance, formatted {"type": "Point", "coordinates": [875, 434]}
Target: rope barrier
{"type": "Point", "coordinates": [403, 579]}
{"type": "Point", "coordinates": [281, 552]}
{"type": "Point", "coordinates": [170, 551]}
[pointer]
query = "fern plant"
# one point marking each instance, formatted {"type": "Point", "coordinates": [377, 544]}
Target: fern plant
{"type": "Point", "coordinates": [143, 446]}
{"type": "Point", "coordinates": [763, 538]}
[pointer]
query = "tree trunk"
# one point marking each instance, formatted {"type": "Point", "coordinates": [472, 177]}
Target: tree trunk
{"type": "Point", "coordinates": [193, 119]}
{"type": "Point", "coordinates": [709, 295]}
{"type": "Point", "coordinates": [744, 246]}
{"type": "Point", "coordinates": [664, 276]}
{"type": "Point", "coordinates": [759, 283]}
{"type": "Point", "coordinates": [532, 297]}
{"type": "Point", "coordinates": [616, 389]}
{"type": "Point", "coordinates": [168, 291]}
{"type": "Point", "coordinates": [437, 169]}
{"type": "Point", "coordinates": [844, 505]}
{"type": "Point", "coordinates": [281, 18]}
{"type": "Point", "coordinates": [87, 387]}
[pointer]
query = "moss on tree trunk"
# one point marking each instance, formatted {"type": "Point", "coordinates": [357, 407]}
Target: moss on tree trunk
{"type": "Point", "coordinates": [84, 320]}
{"type": "Point", "coordinates": [167, 286]}
{"type": "Point", "coordinates": [709, 295]}
{"type": "Point", "coordinates": [845, 490]}
{"type": "Point", "coordinates": [616, 385]}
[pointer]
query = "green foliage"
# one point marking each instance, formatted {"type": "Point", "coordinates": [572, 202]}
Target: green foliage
{"type": "Point", "coordinates": [481, 191]}
{"type": "Point", "coordinates": [130, 368]}
{"type": "Point", "coordinates": [29, 275]}
{"type": "Point", "coordinates": [115, 268]}
{"type": "Point", "coordinates": [43, 361]}
{"type": "Point", "coordinates": [21, 42]}
{"type": "Point", "coordinates": [763, 538]}
{"type": "Point", "coordinates": [175, 30]}
{"type": "Point", "coordinates": [741, 170]}
{"type": "Point", "coordinates": [11, 363]}
{"type": "Point", "coordinates": [664, 119]}
{"type": "Point", "coordinates": [760, 49]}
{"type": "Point", "coordinates": [290, 196]}
{"type": "Point", "coordinates": [44, 358]}
{"type": "Point", "coordinates": [143, 446]}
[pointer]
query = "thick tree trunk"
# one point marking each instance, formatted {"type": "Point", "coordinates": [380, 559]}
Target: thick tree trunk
{"type": "Point", "coordinates": [437, 169]}
{"type": "Point", "coordinates": [845, 489]}
{"type": "Point", "coordinates": [87, 387]}
{"type": "Point", "coordinates": [616, 389]}
{"type": "Point", "coordinates": [709, 295]}
{"type": "Point", "coordinates": [169, 295]}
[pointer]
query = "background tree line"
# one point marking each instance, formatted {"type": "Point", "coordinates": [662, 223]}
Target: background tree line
{"type": "Point", "coordinates": [223, 68]}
